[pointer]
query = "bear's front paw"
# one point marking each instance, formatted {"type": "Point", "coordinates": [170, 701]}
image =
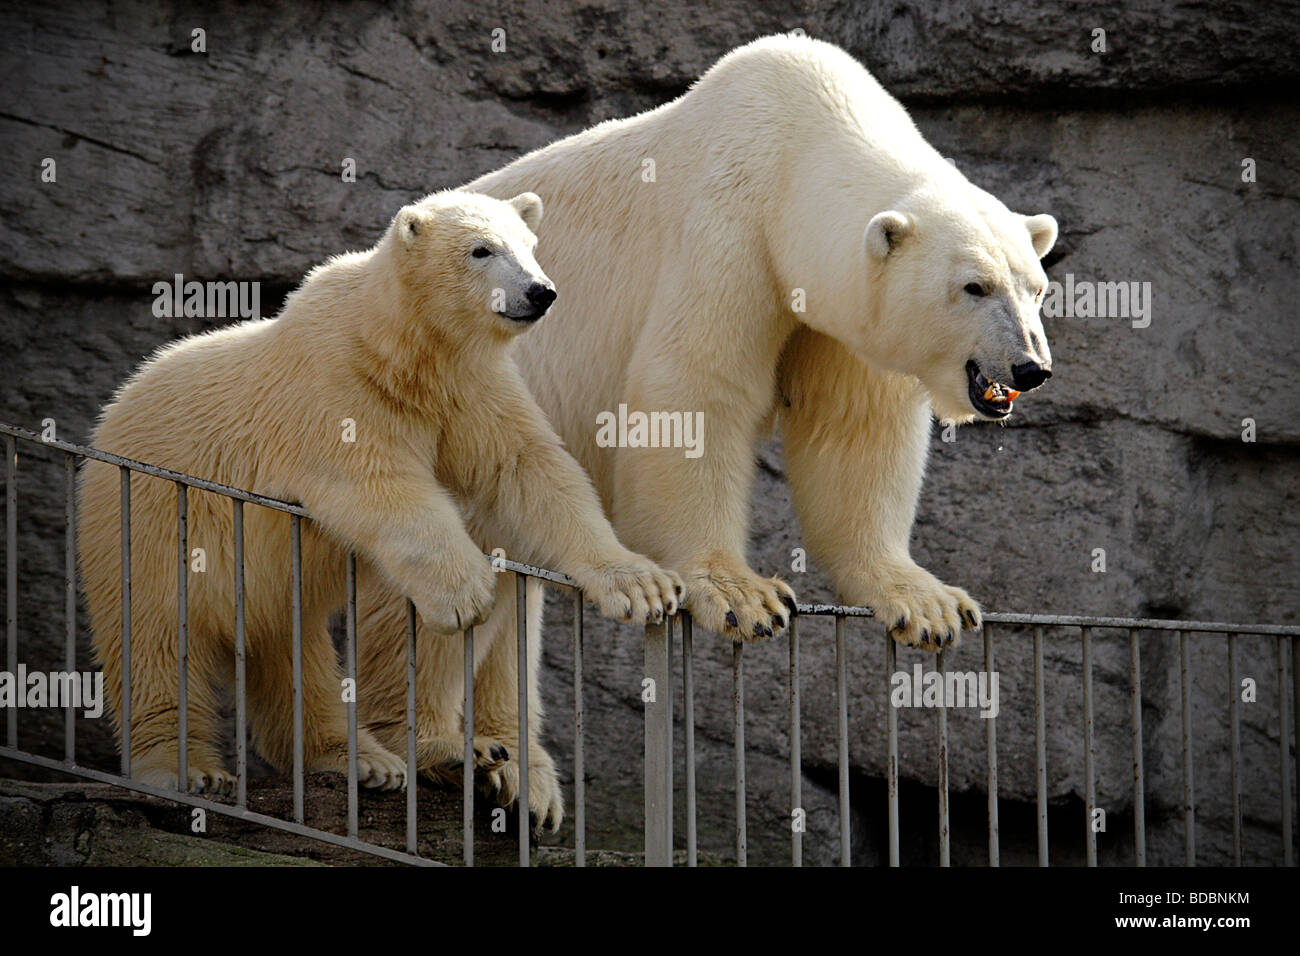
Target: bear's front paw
{"type": "Point", "coordinates": [459, 599]}
{"type": "Point", "coordinates": [919, 610]}
{"type": "Point", "coordinates": [633, 588]}
{"type": "Point", "coordinates": [729, 598]}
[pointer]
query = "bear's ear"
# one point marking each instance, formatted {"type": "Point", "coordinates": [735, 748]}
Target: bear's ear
{"type": "Point", "coordinates": [529, 207]}
{"type": "Point", "coordinates": [411, 223]}
{"type": "Point", "coordinates": [1042, 233]}
{"type": "Point", "coordinates": [885, 231]}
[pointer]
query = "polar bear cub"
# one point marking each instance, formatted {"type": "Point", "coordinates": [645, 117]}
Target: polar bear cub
{"type": "Point", "coordinates": [384, 399]}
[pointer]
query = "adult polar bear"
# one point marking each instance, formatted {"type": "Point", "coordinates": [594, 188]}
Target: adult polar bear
{"type": "Point", "coordinates": [785, 167]}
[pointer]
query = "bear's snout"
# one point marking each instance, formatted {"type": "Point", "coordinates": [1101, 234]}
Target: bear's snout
{"type": "Point", "coordinates": [540, 297]}
{"type": "Point", "coordinates": [1029, 375]}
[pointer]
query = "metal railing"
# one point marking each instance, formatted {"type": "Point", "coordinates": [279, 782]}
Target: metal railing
{"type": "Point", "coordinates": [659, 704]}
{"type": "Point", "coordinates": [239, 809]}
{"type": "Point", "coordinates": [659, 822]}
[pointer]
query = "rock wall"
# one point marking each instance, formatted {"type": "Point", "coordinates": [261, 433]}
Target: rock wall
{"type": "Point", "coordinates": [227, 164]}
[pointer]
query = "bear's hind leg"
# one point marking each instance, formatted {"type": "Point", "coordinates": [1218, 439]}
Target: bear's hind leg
{"type": "Point", "coordinates": [324, 715]}
{"type": "Point", "coordinates": [155, 732]}
{"type": "Point", "coordinates": [440, 719]}
{"type": "Point", "coordinates": [496, 705]}
{"type": "Point", "coordinates": [440, 670]}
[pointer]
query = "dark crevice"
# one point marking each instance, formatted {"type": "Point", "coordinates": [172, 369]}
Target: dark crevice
{"type": "Point", "coordinates": [80, 136]}
{"type": "Point", "coordinates": [1075, 98]}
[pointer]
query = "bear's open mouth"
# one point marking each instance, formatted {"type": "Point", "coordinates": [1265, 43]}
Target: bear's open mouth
{"type": "Point", "coordinates": [988, 398]}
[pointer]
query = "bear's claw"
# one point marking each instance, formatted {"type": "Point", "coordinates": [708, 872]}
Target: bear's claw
{"type": "Point", "coordinates": [200, 781]}
{"type": "Point", "coordinates": [730, 599]}
{"type": "Point", "coordinates": [926, 612]}
{"type": "Point", "coordinates": [630, 588]}
{"type": "Point", "coordinates": [381, 770]}
{"type": "Point", "coordinates": [545, 800]}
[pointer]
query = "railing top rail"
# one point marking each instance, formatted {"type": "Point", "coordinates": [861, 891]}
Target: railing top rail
{"type": "Point", "coordinates": [155, 471]}
{"type": "Point", "coordinates": [1083, 620]}
{"type": "Point", "coordinates": [532, 571]}
{"type": "Point", "coordinates": [85, 451]}
{"type": "Point", "coordinates": [555, 577]}
{"type": "Point", "coordinates": [835, 610]}
{"type": "Point", "coordinates": [1143, 623]}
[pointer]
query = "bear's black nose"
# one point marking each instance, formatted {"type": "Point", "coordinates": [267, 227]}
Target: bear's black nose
{"type": "Point", "coordinates": [1029, 375]}
{"type": "Point", "coordinates": [540, 297]}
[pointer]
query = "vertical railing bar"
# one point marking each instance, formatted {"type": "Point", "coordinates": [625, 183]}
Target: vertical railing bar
{"type": "Point", "coordinates": [945, 848]}
{"type": "Point", "coordinates": [1089, 758]}
{"type": "Point", "coordinates": [521, 683]}
{"type": "Point", "coordinates": [1284, 753]}
{"type": "Point", "coordinates": [1040, 745]}
{"type": "Point", "coordinates": [991, 740]}
{"type": "Point", "coordinates": [467, 765]}
{"type": "Point", "coordinates": [124, 509]}
{"type": "Point", "coordinates": [1295, 709]}
{"type": "Point", "coordinates": [796, 749]}
{"type": "Point", "coordinates": [1189, 791]}
{"type": "Point", "coordinates": [668, 728]}
{"type": "Point", "coordinates": [658, 711]}
{"type": "Point", "coordinates": [350, 652]}
{"type": "Point", "coordinates": [296, 586]}
{"type": "Point", "coordinates": [891, 771]}
{"type": "Point", "coordinates": [11, 580]}
{"type": "Point", "coordinates": [1139, 786]}
{"type": "Point", "coordinates": [70, 603]}
{"type": "Point", "coordinates": [738, 732]}
{"type": "Point", "coordinates": [688, 717]}
{"type": "Point", "coordinates": [1234, 734]}
{"type": "Point", "coordinates": [579, 743]}
{"type": "Point", "coordinates": [241, 662]}
{"type": "Point", "coordinates": [182, 640]}
{"type": "Point", "coordinates": [412, 823]}
{"type": "Point", "coordinates": [842, 707]}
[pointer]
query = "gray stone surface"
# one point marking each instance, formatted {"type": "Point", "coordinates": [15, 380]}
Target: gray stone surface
{"type": "Point", "coordinates": [226, 166]}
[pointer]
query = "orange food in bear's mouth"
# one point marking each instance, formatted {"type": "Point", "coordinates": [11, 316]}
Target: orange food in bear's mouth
{"type": "Point", "coordinates": [997, 392]}
{"type": "Point", "coordinates": [990, 398]}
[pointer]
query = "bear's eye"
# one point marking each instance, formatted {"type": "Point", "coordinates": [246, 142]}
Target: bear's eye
{"type": "Point", "coordinates": [481, 252]}
{"type": "Point", "coordinates": [975, 289]}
